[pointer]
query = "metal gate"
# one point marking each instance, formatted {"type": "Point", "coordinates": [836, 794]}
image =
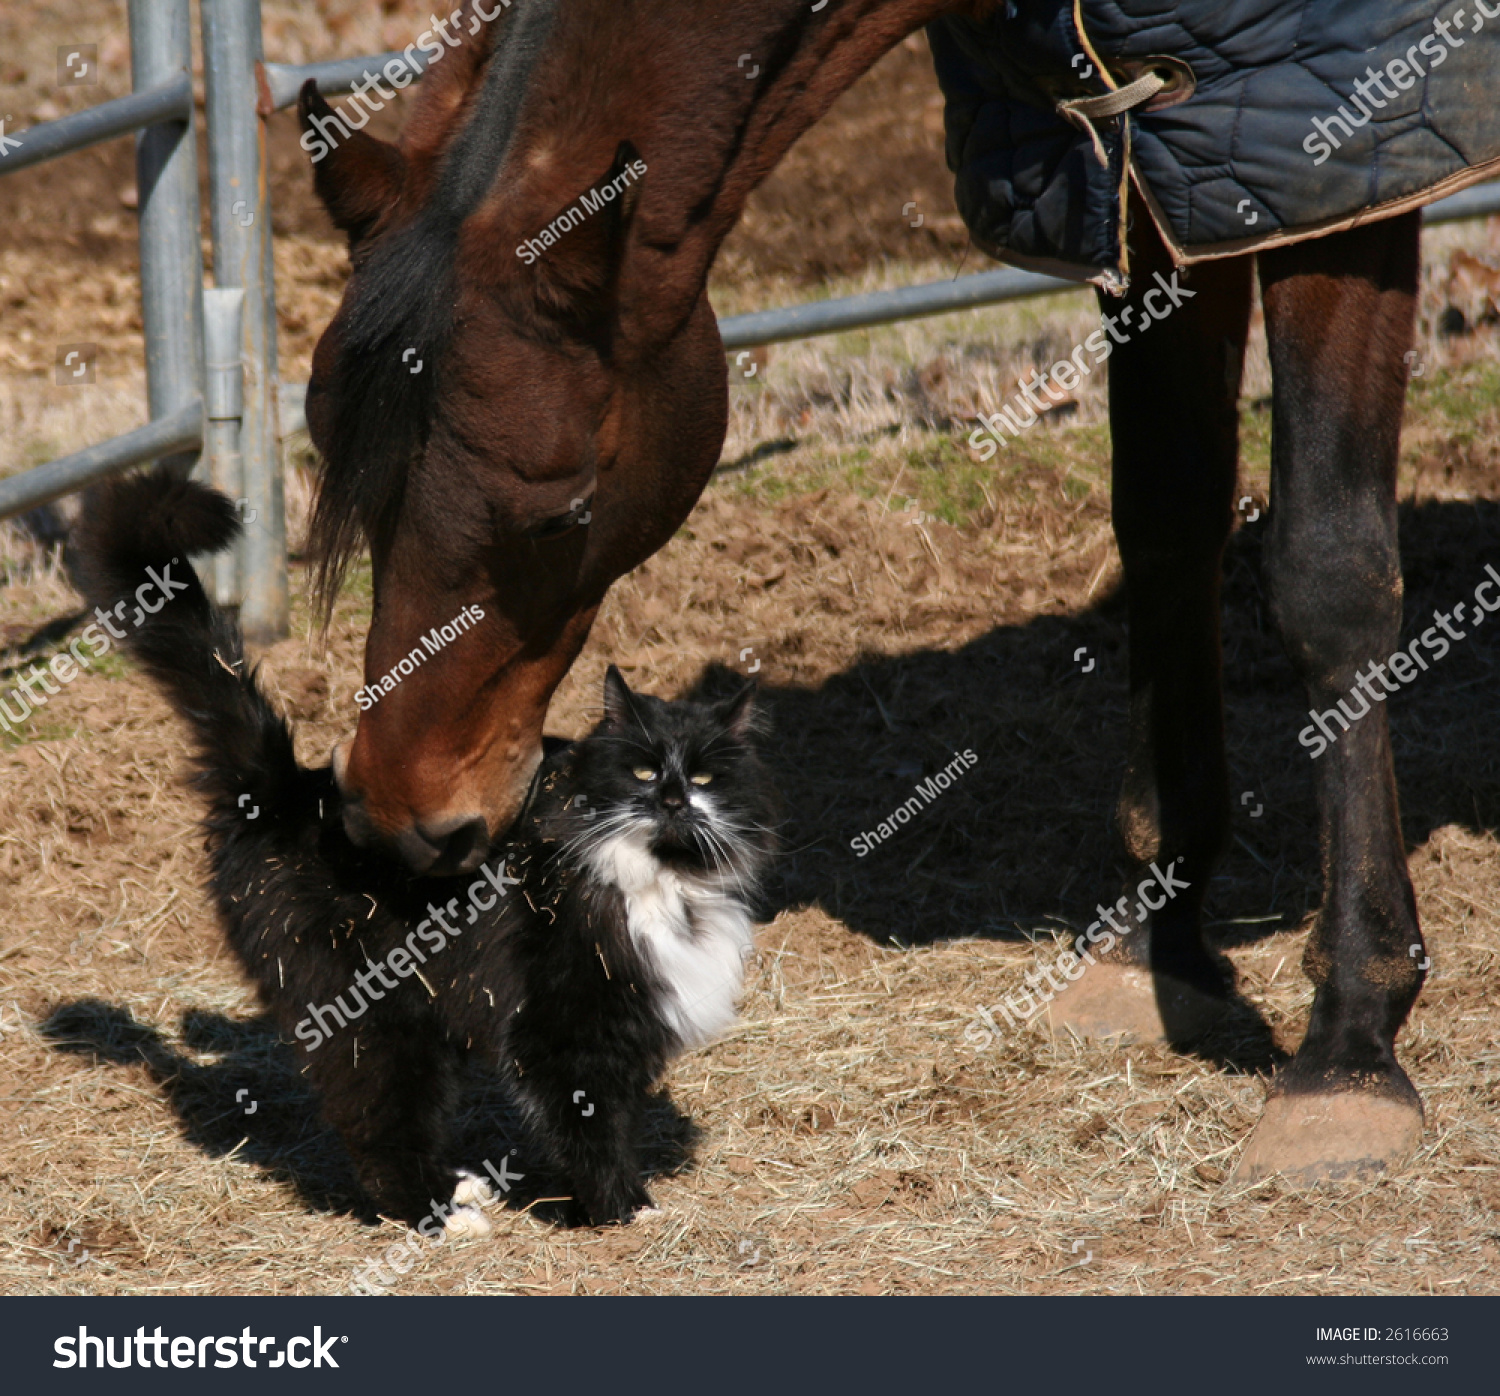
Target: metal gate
{"type": "Point", "coordinates": [210, 355]}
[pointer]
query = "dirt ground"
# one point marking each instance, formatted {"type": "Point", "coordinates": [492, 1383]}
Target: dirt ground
{"type": "Point", "coordinates": [902, 603]}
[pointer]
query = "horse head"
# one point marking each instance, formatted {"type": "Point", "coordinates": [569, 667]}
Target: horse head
{"type": "Point", "coordinates": [523, 391]}
{"type": "Point", "coordinates": [484, 424]}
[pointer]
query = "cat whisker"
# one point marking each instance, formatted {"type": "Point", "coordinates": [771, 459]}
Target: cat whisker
{"type": "Point", "coordinates": [595, 832]}
{"type": "Point", "coordinates": [738, 833]}
{"type": "Point", "coordinates": [726, 860]}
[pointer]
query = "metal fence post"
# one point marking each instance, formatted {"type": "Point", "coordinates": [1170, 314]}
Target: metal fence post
{"type": "Point", "coordinates": [240, 220]}
{"type": "Point", "coordinates": [166, 163]}
{"type": "Point", "coordinates": [223, 410]}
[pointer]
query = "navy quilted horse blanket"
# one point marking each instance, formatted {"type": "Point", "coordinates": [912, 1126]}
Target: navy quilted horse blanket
{"type": "Point", "coordinates": [1267, 121]}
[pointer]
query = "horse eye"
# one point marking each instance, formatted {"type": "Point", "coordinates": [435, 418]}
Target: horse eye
{"type": "Point", "coordinates": [702, 778]}
{"type": "Point", "coordinates": [645, 773]}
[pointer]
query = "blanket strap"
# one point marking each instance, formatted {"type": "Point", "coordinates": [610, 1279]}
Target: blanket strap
{"type": "Point", "coordinates": [1084, 111]}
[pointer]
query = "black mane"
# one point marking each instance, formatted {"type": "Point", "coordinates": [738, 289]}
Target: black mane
{"type": "Point", "coordinates": [401, 297]}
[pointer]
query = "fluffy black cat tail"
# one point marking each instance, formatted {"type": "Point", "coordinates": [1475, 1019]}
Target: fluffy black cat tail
{"type": "Point", "coordinates": [132, 546]}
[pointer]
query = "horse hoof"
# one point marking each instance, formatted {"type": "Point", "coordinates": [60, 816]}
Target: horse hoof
{"type": "Point", "coordinates": [1312, 1139]}
{"type": "Point", "coordinates": [1134, 1005]}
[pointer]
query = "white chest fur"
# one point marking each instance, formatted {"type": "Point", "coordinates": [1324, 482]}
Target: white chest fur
{"type": "Point", "coordinates": [694, 935]}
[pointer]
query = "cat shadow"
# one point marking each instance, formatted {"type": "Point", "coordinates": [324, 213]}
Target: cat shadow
{"type": "Point", "coordinates": [1022, 844]}
{"type": "Point", "coordinates": [248, 1101]}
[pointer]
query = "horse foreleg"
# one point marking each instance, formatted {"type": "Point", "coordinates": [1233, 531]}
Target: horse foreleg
{"type": "Point", "coordinates": [1173, 393]}
{"type": "Point", "coordinates": [1339, 314]}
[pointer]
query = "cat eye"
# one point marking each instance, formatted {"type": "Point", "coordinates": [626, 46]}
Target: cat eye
{"type": "Point", "coordinates": [645, 773]}
{"type": "Point", "coordinates": [702, 778]}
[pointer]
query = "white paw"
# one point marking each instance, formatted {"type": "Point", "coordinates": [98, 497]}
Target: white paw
{"type": "Point", "coordinates": [647, 1215]}
{"type": "Point", "coordinates": [472, 1190]}
{"type": "Point", "coordinates": [467, 1223]}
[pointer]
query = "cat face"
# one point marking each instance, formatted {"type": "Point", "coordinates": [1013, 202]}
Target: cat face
{"type": "Point", "coordinates": [681, 780]}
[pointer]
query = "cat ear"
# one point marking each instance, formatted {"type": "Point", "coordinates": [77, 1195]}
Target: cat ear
{"type": "Point", "coordinates": [741, 714]}
{"type": "Point", "coordinates": [619, 701]}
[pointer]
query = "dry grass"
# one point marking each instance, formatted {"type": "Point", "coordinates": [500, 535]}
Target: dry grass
{"type": "Point", "coordinates": [846, 1138]}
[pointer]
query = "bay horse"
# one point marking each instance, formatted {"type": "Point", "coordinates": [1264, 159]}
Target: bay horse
{"type": "Point", "coordinates": [511, 433]}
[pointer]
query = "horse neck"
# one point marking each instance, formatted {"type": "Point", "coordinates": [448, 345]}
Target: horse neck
{"type": "Point", "coordinates": [710, 130]}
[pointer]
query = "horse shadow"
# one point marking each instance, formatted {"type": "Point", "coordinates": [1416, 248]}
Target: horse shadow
{"type": "Point", "coordinates": [1023, 844]}
{"type": "Point", "coordinates": [249, 1101]}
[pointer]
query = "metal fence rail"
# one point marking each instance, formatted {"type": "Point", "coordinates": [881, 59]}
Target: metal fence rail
{"type": "Point", "coordinates": [166, 168]}
{"type": "Point", "coordinates": [971, 292]}
{"type": "Point", "coordinates": [886, 307]}
{"type": "Point", "coordinates": [979, 289]}
{"type": "Point", "coordinates": [916, 302]}
{"type": "Point", "coordinates": [172, 101]}
{"type": "Point", "coordinates": [166, 436]}
{"type": "Point", "coordinates": [284, 80]}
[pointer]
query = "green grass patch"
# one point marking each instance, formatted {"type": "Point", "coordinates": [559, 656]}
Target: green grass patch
{"type": "Point", "coordinates": [39, 729]}
{"type": "Point", "coordinates": [114, 665]}
{"type": "Point", "coordinates": [1459, 401]}
{"type": "Point", "coordinates": [936, 474]}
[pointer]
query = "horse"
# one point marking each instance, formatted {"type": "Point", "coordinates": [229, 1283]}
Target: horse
{"type": "Point", "coordinates": [523, 393]}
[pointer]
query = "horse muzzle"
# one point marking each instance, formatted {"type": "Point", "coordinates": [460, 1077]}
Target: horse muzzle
{"type": "Point", "coordinates": [446, 845]}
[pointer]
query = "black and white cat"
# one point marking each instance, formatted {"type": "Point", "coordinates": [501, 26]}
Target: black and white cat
{"type": "Point", "coordinates": [608, 933]}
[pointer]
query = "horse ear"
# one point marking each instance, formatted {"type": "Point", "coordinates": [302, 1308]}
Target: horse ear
{"type": "Point", "coordinates": [583, 272]}
{"type": "Point", "coordinates": [619, 701]}
{"type": "Point", "coordinates": [356, 175]}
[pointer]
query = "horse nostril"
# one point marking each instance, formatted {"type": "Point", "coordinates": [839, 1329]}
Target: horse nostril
{"type": "Point", "coordinates": [447, 847]}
